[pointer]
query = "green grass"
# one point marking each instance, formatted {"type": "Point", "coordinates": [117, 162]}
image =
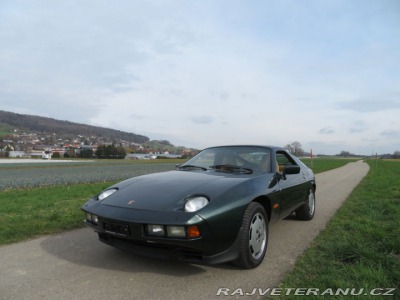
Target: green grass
{"type": "Point", "coordinates": [27, 213]}
{"type": "Point", "coordinates": [360, 248]}
{"type": "Point", "coordinates": [5, 130]}
{"type": "Point", "coordinates": [3, 133]}
{"type": "Point", "coordinates": [323, 164]}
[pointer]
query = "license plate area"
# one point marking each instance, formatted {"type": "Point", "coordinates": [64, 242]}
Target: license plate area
{"type": "Point", "coordinates": [116, 229]}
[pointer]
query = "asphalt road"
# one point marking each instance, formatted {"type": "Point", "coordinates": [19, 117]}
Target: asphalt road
{"type": "Point", "coordinates": [75, 265]}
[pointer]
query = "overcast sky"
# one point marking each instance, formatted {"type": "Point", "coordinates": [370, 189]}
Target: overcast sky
{"type": "Point", "coordinates": [204, 73]}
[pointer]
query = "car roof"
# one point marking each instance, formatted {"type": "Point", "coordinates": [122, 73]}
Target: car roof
{"type": "Point", "coordinates": [248, 145]}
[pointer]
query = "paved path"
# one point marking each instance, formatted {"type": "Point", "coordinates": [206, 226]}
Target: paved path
{"type": "Point", "coordinates": [75, 265]}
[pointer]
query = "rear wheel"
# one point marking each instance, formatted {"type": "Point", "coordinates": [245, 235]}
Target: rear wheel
{"type": "Point", "coordinates": [253, 244]}
{"type": "Point", "coordinates": [307, 211]}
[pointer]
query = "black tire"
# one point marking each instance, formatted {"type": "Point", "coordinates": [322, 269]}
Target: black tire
{"type": "Point", "coordinates": [254, 240]}
{"type": "Point", "coordinates": [307, 211]}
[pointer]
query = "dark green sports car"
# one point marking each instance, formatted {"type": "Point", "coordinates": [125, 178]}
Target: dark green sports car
{"type": "Point", "coordinates": [214, 208]}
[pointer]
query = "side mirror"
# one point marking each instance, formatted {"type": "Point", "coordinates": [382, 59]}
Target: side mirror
{"type": "Point", "coordinates": [290, 170]}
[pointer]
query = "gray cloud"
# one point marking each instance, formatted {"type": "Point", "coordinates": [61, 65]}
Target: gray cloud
{"type": "Point", "coordinates": [61, 106]}
{"type": "Point", "coordinates": [356, 130]}
{"type": "Point", "coordinates": [391, 133]}
{"type": "Point", "coordinates": [322, 147]}
{"type": "Point", "coordinates": [326, 130]}
{"type": "Point", "coordinates": [370, 140]}
{"type": "Point", "coordinates": [202, 119]}
{"type": "Point", "coordinates": [137, 117]}
{"type": "Point", "coordinates": [358, 126]}
{"type": "Point", "coordinates": [224, 96]}
{"type": "Point", "coordinates": [378, 103]}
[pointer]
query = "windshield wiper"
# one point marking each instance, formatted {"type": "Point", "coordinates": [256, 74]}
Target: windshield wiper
{"type": "Point", "coordinates": [231, 168]}
{"type": "Point", "coordinates": [191, 167]}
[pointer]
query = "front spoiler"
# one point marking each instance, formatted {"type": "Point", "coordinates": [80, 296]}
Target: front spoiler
{"type": "Point", "coordinates": [164, 251]}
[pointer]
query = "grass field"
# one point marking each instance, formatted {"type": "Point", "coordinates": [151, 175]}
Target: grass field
{"type": "Point", "coordinates": [40, 174]}
{"type": "Point", "coordinates": [27, 213]}
{"type": "Point", "coordinates": [3, 133]}
{"type": "Point", "coordinates": [325, 163]}
{"type": "Point", "coordinates": [360, 248]}
{"type": "Point", "coordinates": [4, 130]}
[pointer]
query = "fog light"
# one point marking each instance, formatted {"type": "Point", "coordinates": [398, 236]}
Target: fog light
{"type": "Point", "coordinates": [95, 219]}
{"type": "Point", "coordinates": [157, 230]}
{"type": "Point", "coordinates": [88, 217]}
{"type": "Point", "coordinates": [176, 231]}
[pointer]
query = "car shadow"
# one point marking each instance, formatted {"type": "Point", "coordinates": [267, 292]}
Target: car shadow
{"type": "Point", "coordinates": [82, 247]}
{"type": "Point", "coordinates": [291, 217]}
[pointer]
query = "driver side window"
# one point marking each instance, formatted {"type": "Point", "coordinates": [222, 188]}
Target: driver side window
{"type": "Point", "coordinates": [282, 160]}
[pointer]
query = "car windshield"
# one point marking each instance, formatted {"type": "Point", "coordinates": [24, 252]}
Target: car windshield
{"type": "Point", "coordinates": [244, 159]}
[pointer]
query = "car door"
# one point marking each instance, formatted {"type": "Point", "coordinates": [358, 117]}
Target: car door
{"type": "Point", "coordinates": [292, 186]}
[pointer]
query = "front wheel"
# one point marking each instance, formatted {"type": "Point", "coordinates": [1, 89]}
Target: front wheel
{"type": "Point", "coordinates": [307, 210]}
{"type": "Point", "coordinates": [254, 241]}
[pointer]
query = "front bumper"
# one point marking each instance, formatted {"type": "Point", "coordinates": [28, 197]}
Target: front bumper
{"type": "Point", "coordinates": [208, 248]}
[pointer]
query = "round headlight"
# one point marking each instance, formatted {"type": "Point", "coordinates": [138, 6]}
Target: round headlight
{"type": "Point", "coordinates": [195, 203]}
{"type": "Point", "coordinates": [106, 194]}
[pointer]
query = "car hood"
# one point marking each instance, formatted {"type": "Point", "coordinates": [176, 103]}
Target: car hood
{"type": "Point", "coordinates": [168, 190]}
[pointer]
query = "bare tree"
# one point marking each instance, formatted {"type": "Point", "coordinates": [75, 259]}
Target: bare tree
{"type": "Point", "coordinates": [289, 148]}
{"type": "Point", "coordinates": [295, 148]}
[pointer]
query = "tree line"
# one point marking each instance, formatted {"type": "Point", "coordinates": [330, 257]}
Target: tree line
{"type": "Point", "coordinates": [110, 151]}
{"type": "Point", "coordinates": [103, 151]}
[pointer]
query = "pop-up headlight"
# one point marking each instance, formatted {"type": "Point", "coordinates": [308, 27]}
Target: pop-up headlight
{"type": "Point", "coordinates": [106, 194]}
{"type": "Point", "coordinates": [195, 203]}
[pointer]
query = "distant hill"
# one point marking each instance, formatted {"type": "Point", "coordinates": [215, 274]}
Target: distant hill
{"type": "Point", "coordinates": [10, 121]}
